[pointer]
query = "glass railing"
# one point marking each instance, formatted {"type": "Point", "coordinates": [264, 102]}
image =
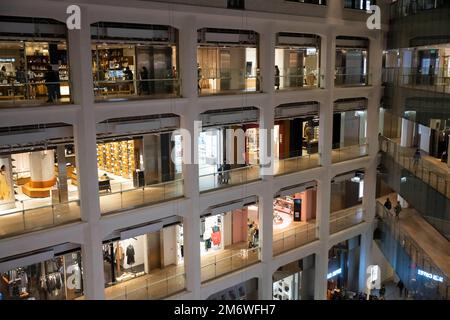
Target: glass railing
{"type": "Point", "coordinates": [111, 90]}
{"type": "Point", "coordinates": [345, 219]}
{"type": "Point", "coordinates": [229, 178]}
{"type": "Point", "coordinates": [349, 153]}
{"type": "Point", "coordinates": [213, 81]}
{"type": "Point", "coordinates": [123, 196]}
{"type": "Point", "coordinates": [294, 238]}
{"type": "Point", "coordinates": [297, 163]}
{"type": "Point", "coordinates": [407, 258]}
{"type": "Point", "coordinates": [147, 289]}
{"type": "Point", "coordinates": [297, 81]}
{"type": "Point", "coordinates": [29, 216]}
{"type": "Point", "coordinates": [404, 8]}
{"type": "Point", "coordinates": [351, 77]}
{"type": "Point", "coordinates": [34, 93]}
{"type": "Point", "coordinates": [434, 80]}
{"type": "Point", "coordinates": [405, 157]}
{"type": "Point", "coordinates": [220, 264]}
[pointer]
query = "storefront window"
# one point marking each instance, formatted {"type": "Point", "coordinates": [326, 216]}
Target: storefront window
{"type": "Point", "coordinates": [296, 61]}
{"type": "Point", "coordinates": [33, 69]}
{"type": "Point", "coordinates": [130, 66]}
{"type": "Point", "coordinates": [231, 237]}
{"type": "Point", "coordinates": [40, 181]}
{"type": "Point", "coordinates": [56, 279]}
{"type": "Point", "coordinates": [227, 67]}
{"type": "Point", "coordinates": [138, 171]}
{"type": "Point", "coordinates": [351, 61]}
{"type": "Point", "coordinates": [131, 265]}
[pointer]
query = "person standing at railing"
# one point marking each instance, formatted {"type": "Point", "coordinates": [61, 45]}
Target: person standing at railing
{"type": "Point", "coordinates": [398, 209]}
{"type": "Point", "coordinates": [416, 158]}
{"type": "Point", "coordinates": [128, 74]}
{"type": "Point", "coordinates": [144, 86]}
{"type": "Point", "coordinates": [51, 82]}
{"type": "Point", "coordinates": [277, 78]}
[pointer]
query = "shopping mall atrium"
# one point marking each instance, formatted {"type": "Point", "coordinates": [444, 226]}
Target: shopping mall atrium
{"type": "Point", "coordinates": [244, 150]}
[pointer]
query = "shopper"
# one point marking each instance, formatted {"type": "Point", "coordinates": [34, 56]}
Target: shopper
{"type": "Point", "coordinates": [398, 209]}
{"type": "Point", "coordinates": [226, 173]}
{"type": "Point", "coordinates": [416, 157]}
{"type": "Point", "coordinates": [388, 204]}
{"type": "Point", "coordinates": [51, 82]}
{"type": "Point", "coordinates": [382, 292]}
{"type": "Point", "coordinates": [3, 74]}
{"type": "Point", "coordinates": [277, 77]}
{"type": "Point", "coordinates": [145, 88]}
{"type": "Point", "coordinates": [400, 287]}
{"type": "Point", "coordinates": [199, 78]}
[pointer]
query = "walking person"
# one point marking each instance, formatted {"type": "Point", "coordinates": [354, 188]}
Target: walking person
{"type": "Point", "coordinates": [277, 77]}
{"type": "Point", "coordinates": [400, 287]}
{"type": "Point", "coordinates": [416, 158]}
{"type": "Point", "coordinates": [398, 209]}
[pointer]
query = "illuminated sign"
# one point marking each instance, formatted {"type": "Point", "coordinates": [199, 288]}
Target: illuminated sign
{"type": "Point", "coordinates": [7, 59]}
{"type": "Point", "coordinates": [430, 276]}
{"type": "Point", "coordinates": [334, 273]}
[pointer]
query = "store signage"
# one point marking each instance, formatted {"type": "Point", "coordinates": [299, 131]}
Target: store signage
{"type": "Point", "coordinates": [7, 60]}
{"type": "Point", "coordinates": [334, 273]}
{"type": "Point", "coordinates": [430, 276]}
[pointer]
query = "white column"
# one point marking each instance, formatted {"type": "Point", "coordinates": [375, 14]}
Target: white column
{"type": "Point", "coordinates": [86, 157]}
{"type": "Point", "coordinates": [188, 57]}
{"type": "Point", "coordinates": [191, 223]}
{"type": "Point", "coordinates": [266, 239]}
{"type": "Point", "coordinates": [328, 57]}
{"type": "Point", "coordinates": [365, 256]}
{"type": "Point", "coordinates": [267, 54]}
{"type": "Point", "coordinates": [323, 222]}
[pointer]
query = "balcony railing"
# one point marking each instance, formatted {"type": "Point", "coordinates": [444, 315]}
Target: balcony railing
{"type": "Point", "coordinates": [111, 90]}
{"type": "Point", "coordinates": [437, 80]}
{"type": "Point", "coordinates": [405, 158]}
{"type": "Point", "coordinates": [345, 219]}
{"type": "Point", "coordinates": [297, 163]}
{"type": "Point", "coordinates": [224, 263]}
{"type": "Point", "coordinates": [34, 93]}
{"type": "Point", "coordinates": [349, 153]}
{"type": "Point", "coordinates": [147, 289]}
{"type": "Point", "coordinates": [351, 77]}
{"type": "Point", "coordinates": [229, 178]}
{"type": "Point", "coordinates": [26, 218]}
{"type": "Point", "coordinates": [298, 81]}
{"type": "Point", "coordinates": [213, 82]}
{"type": "Point", "coordinates": [122, 196]}
{"type": "Point", "coordinates": [294, 238]}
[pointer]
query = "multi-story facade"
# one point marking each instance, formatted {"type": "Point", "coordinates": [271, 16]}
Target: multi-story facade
{"type": "Point", "coordinates": [102, 100]}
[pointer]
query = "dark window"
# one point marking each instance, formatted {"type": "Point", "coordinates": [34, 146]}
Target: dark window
{"type": "Point", "coordinates": [359, 4]}
{"type": "Point", "coordinates": [236, 4]}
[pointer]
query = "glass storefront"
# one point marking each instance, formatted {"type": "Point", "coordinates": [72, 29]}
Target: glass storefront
{"type": "Point", "coordinates": [351, 62]}
{"type": "Point", "coordinates": [55, 279]}
{"type": "Point", "coordinates": [134, 61]}
{"type": "Point", "coordinates": [227, 61]}
{"type": "Point", "coordinates": [34, 68]}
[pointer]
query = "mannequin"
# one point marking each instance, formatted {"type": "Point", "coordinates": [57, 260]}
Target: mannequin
{"type": "Point", "coordinates": [130, 256]}
{"type": "Point", "coordinates": [119, 258]}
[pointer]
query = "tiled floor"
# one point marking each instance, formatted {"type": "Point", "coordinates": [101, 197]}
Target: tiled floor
{"type": "Point", "coordinates": [343, 219]}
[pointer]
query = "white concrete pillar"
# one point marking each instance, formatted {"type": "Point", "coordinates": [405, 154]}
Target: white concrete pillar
{"type": "Point", "coordinates": [188, 57]}
{"type": "Point", "coordinates": [407, 133]}
{"type": "Point", "coordinates": [365, 257]}
{"type": "Point", "coordinates": [191, 222]}
{"type": "Point", "coordinates": [323, 223]}
{"type": "Point", "coordinates": [267, 54]}
{"type": "Point", "coordinates": [42, 168]}
{"type": "Point", "coordinates": [86, 152]}
{"type": "Point", "coordinates": [267, 138]}
{"type": "Point", "coordinates": [266, 239]}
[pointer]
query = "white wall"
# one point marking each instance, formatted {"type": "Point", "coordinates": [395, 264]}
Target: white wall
{"type": "Point", "coordinates": [378, 259]}
{"type": "Point", "coordinates": [425, 133]}
{"type": "Point", "coordinates": [170, 245]}
{"type": "Point", "coordinates": [42, 165]}
{"type": "Point", "coordinates": [139, 250]}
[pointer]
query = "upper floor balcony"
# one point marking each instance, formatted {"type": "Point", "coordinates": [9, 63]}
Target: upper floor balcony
{"type": "Point", "coordinates": [352, 67]}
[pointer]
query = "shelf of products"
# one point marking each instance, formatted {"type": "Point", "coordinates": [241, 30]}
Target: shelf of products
{"type": "Point", "coordinates": [117, 158]}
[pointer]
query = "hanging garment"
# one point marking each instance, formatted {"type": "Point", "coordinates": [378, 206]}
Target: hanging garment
{"type": "Point", "coordinates": [130, 255]}
{"type": "Point", "coordinates": [215, 237]}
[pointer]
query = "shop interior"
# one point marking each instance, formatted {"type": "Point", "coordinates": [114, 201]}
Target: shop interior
{"type": "Point", "coordinates": [126, 65]}
{"type": "Point", "coordinates": [351, 61]}
{"type": "Point", "coordinates": [227, 61]}
{"type": "Point", "coordinates": [296, 136]}
{"type": "Point", "coordinates": [230, 136]}
{"type": "Point", "coordinates": [343, 269]}
{"type": "Point", "coordinates": [295, 281]}
{"type": "Point", "coordinates": [35, 71]}
{"type": "Point", "coordinates": [347, 190]}
{"type": "Point", "coordinates": [142, 255]}
{"type": "Point", "coordinates": [58, 278]}
{"type": "Point", "coordinates": [38, 176]}
{"type": "Point", "coordinates": [349, 123]}
{"type": "Point", "coordinates": [297, 59]}
{"type": "Point", "coordinates": [235, 229]}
